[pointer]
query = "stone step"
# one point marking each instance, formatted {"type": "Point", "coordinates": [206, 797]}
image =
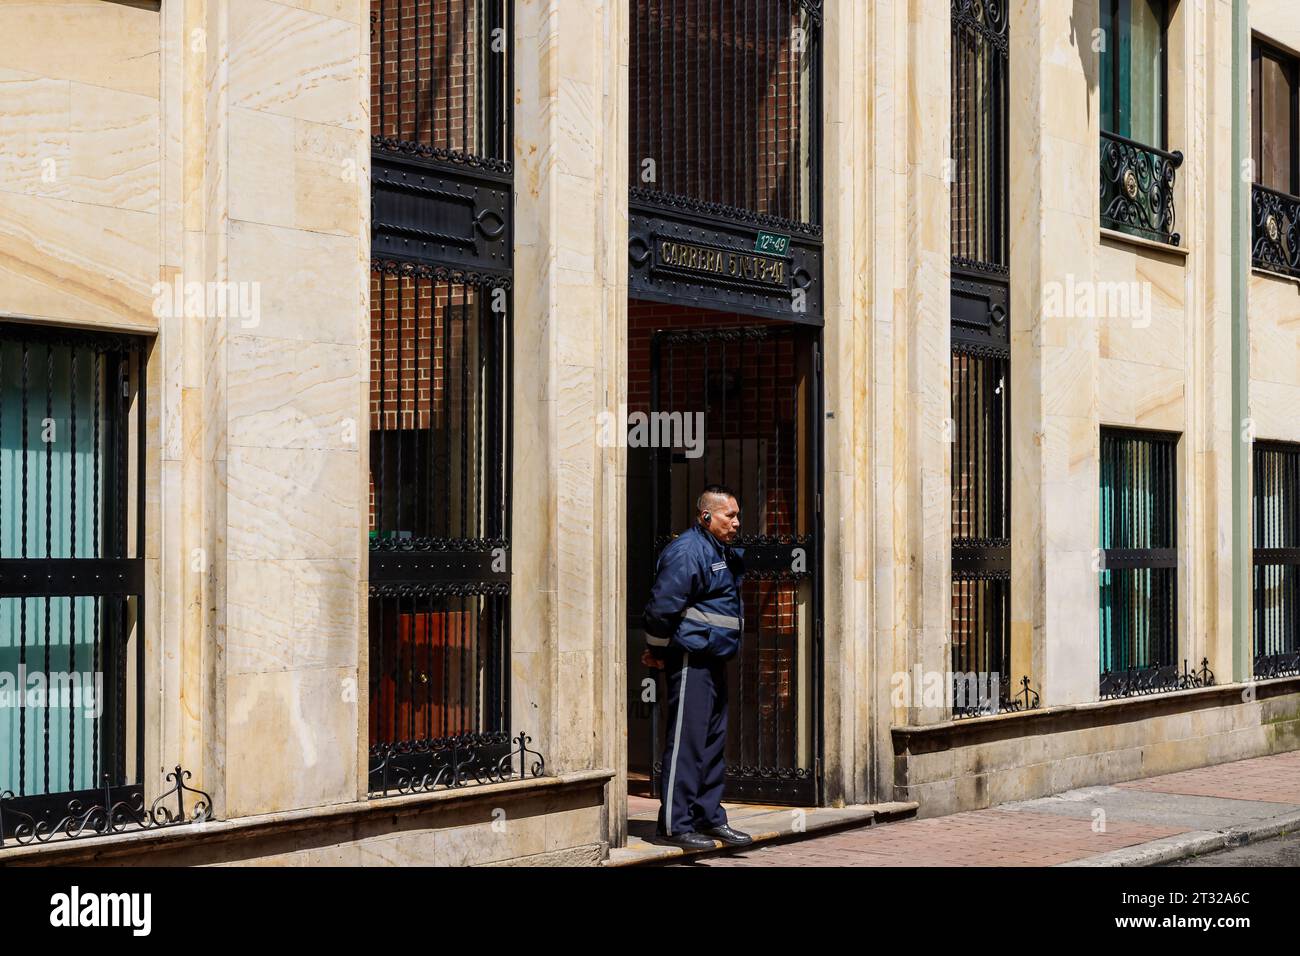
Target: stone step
{"type": "Point", "coordinates": [766, 824]}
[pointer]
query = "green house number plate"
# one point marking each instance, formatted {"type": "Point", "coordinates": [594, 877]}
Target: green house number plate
{"type": "Point", "coordinates": [772, 244]}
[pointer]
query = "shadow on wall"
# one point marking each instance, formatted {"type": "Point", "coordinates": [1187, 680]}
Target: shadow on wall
{"type": "Point", "coordinates": [1085, 37]}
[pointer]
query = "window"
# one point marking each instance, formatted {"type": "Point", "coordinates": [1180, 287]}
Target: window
{"type": "Point", "coordinates": [1275, 149]}
{"type": "Point", "coordinates": [71, 572]}
{"type": "Point", "coordinates": [1277, 559]}
{"type": "Point", "coordinates": [1275, 145]}
{"type": "Point", "coordinates": [1133, 69]}
{"type": "Point", "coordinates": [442, 80]}
{"type": "Point", "coordinates": [981, 363]}
{"type": "Point", "coordinates": [1139, 562]}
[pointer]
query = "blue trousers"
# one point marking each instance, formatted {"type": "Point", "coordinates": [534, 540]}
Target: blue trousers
{"type": "Point", "coordinates": [694, 758]}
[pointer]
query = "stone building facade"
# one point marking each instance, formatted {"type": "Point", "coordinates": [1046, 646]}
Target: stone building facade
{"type": "Point", "coordinates": [333, 303]}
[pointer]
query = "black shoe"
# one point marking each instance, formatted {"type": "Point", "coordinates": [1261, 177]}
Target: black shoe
{"type": "Point", "coordinates": [729, 836]}
{"type": "Point", "coordinates": [688, 841]}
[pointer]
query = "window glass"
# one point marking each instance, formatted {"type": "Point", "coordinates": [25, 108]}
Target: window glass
{"type": "Point", "coordinates": [1276, 80]}
{"type": "Point", "coordinates": [52, 504]}
{"type": "Point", "coordinates": [1133, 69]}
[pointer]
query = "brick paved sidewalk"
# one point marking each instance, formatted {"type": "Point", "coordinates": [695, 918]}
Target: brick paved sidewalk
{"type": "Point", "coordinates": [1104, 825]}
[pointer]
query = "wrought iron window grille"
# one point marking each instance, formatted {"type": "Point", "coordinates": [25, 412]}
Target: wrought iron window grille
{"type": "Point", "coordinates": [980, 639]}
{"type": "Point", "coordinates": [1276, 532]}
{"type": "Point", "coordinates": [1135, 682]}
{"type": "Point", "coordinates": [441, 395]}
{"type": "Point", "coordinates": [72, 540]}
{"type": "Point", "coordinates": [423, 766]}
{"type": "Point", "coordinates": [1007, 701]}
{"type": "Point", "coordinates": [104, 812]}
{"type": "Point", "coordinates": [1139, 564]}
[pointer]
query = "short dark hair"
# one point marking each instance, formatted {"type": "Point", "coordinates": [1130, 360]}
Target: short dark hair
{"type": "Point", "coordinates": [720, 490]}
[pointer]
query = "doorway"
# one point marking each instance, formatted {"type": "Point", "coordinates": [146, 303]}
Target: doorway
{"type": "Point", "coordinates": [738, 400]}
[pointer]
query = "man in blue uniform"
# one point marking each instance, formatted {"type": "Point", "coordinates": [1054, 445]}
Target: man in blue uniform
{"type": "Point", "coordinates": [693, 624]}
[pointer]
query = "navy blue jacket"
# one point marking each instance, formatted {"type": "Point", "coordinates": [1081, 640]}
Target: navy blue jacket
{"type": "Point", "coordinates": [695, 603]}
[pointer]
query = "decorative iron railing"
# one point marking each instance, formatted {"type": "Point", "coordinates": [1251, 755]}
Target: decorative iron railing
{"type": "Point", "coordinates": [424, 765]}
{"type": "Point", "coordinates": [1277, 559]}
{"type": "Point", "coordinates": [101, 812]}
{"type": "Point", "coordinates": [1137, 188]}
{"type": "Point", "coordinates": [1137, 681]}
{"type": "Point", "coordinates": [980, 94]}
{"type": "Point", "coordinates": [1275, 231]}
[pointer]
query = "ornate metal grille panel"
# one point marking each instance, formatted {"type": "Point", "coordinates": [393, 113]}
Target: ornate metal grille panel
{"type": "Point", "coordinates": [1277, 559]}
{"type": "Point", "coordinates": [1137, 188]}
{"type": "Point", "coordinates": [725, 155]}
{"type": "Point", "coordinates": [71, 576]}
{"type": "Point", "coordinates": [440, 394]}
{"type": "Point", "coordinates": [1275, 231]}
{"type": "Point", "coordinates": [442, 132]}
{"type": "Point", "coordinates": [979, 135]}
{"type": "Point", "coordinates": [755, 388]}
{"type": "Point", "coordinates": [981, 529]}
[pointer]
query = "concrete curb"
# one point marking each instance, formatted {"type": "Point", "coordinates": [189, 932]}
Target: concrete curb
{"type": "Point", "coordinates": [1185, 845]}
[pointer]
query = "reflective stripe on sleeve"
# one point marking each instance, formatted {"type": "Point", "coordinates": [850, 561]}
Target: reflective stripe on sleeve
{"type": "Point", "coordinates": [717, 620]}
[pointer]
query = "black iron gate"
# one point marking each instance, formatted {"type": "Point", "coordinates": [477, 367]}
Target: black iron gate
{"type": "Point", "coordinates": [754, 394]}
{"type": "Point", "coordinates": [440, 428]}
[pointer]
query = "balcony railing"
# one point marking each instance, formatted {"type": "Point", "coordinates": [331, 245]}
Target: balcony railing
{"type": "Point", "coordinates": [1275, 231]}
{"type": "Point", "coordinates": [1137, 188]}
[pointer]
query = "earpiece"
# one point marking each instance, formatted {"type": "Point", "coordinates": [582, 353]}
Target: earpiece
{"type": "Point", "coordinates": [708, 516]}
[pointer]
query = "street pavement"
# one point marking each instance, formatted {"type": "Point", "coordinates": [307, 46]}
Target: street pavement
{"type": "Point", "coordinates": [1280, 851]}
{"type": "Point", "coordinates": [1140, 823]}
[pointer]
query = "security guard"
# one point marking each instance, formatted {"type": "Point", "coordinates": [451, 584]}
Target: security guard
{"type": "Point", "coordinates": [693, 625]}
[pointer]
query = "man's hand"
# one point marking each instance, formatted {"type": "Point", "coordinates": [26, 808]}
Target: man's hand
{"type": "Point", "coordinates": [649, 660]}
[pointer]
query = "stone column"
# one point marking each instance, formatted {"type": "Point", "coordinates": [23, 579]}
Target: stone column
{"type": "Point", "coordinates": [1054, 440]}
{"type": "Point", "coordinates": [570, 304]}
{"type": "Point", "coordinates": [263, 461]}
{"type": "Point", "coordinates": [849, 650]}
{"type": "Point", "coordinates": [922, 453]}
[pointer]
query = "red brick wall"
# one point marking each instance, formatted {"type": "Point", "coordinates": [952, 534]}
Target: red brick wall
{"type": "Point", "coordinates": [422, 335]}
{"type": "Point", "coordinates": [426, 73]}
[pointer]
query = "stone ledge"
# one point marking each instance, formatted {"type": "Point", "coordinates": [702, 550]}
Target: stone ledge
{"type": "Point", "coordinates": [932, 738]}
{"type": "Point", "coordinates": [589, 854]}
{"type": "Point", "coordinates": [65, 852]}
{"type": "Point", "coordinates": [1177, 252]}
{"type": "Point", "coordinates": [1272, 274]}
